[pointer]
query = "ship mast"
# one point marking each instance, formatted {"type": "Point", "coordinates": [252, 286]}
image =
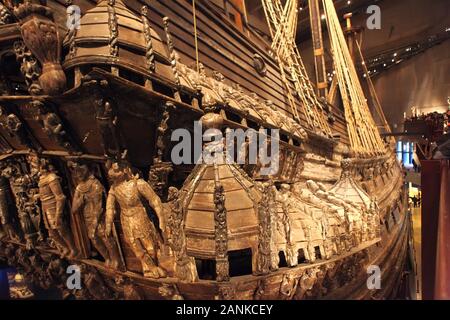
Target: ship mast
{"type": "Point", "coordinates": [354, 46]}
{"type": "Point", "coordinates": [317, 41]}
{"type": "Point", "coordinates": [282, 21]}
{"type": "Point", "coordinates": [364, 137]}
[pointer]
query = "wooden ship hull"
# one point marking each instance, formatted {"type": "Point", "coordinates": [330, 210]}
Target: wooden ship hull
{"type": "Point", "coordinates": [114, 91]}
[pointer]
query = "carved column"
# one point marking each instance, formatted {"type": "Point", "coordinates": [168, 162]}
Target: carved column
{"type": "Point", "coordinates": [221, 231]}
{"type": "Point", "coordinates": [149, 53]}
{"type": "Point", "coordinates": [113, 29]}
{"type": "Point", "coordinates": [185, 266]}
{"type": "Point", "coordinates": [40, 34]}
{"type": "Point", "coordinates": [265, 230]}
{"type": "Point", "coordinates": [173, 55]}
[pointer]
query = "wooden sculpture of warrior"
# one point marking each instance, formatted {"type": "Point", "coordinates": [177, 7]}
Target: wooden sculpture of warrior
{"type": "Point", "coordinates": [53, 203]}
{"type": "Point", "coordinates": [88, 201]}
{"type": "Point", "coordinates": [139, 231]}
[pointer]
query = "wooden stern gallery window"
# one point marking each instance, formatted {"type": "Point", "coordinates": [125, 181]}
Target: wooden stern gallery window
{"type": "Point", "coordinates": [206, 268]}
{"type": "Point", "coordinates": [240, 262]}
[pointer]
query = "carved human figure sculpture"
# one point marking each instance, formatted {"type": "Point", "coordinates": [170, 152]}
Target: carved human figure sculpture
{"type": "Point", "coordinates": [28, 214]}
{"type": "Point", "coordinates": [139, 231]}
{"type": "Point", "coordinates": [53, 203]}
{"type": "Point", "coordinates": [88, 202]}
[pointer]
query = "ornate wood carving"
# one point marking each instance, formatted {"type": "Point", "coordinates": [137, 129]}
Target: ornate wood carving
{"type": "Point", "coordinates": [149, 53]}
{"type": "Point", "coordinates": [107, 122]}
{"type": "Point", "coordinates": [288, 286]}
{"type": "Point", "coordinates": [185, 266]}
{"type": "Point", "coordinates": [40, 34]}
{"type": "Point", "coordinates": [5, 15]}
{"type": "Point", "coordinates": [53, 125]}
{"type": "Point", "coordinates": [88, 202]}
{"type": "Point", "coordinates": [159, 171]}
{"type": "Point", "coordinates": [265, 233]}
{"type": "Point", "coordinates": [139, 230]}
{"type": "Point", "coordinates": [221, 233]}
{"type": "Point", "coordinates": [29, 67]}
{"type": "Point", "coordinates": [70, 37]}
{"type": "Point", "coordinates": [53, 203]}
{"type": "Point", "coordinates": [173, 55]}
{"type": "Point", "coordinates": [113, 29]}
{"type": "Point", "coordinates": [170, 292]}
{"type": "Point", "coordinates": [14, 126]}
{"type": "Point", "coordinates": [24, 188]}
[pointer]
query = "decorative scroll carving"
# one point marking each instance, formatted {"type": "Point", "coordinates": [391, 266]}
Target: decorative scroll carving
{"type": "Point", "coordinates": [227, 292]}
{"type": "Point", "coordinates": [173, 54]}
{"type": "Point", "coordinates": [14, 126]}
{"type": "Point", "coordinates": [221, 234]}
{"type": "Point", "coordinates": [138, 230]}
{"type": "Point", "coordinates": [5, 15]}
{"type": "Point", "coordinates": [29, 67]}
{"type": "Point", "coordinates": [215, 92]}
{"type": "Point", "coordinates": [305, 283]}
{"type": "Point", "coordinates": [53, 126]}
{"type": "Point", "coordinates": [149, 53]}
{"type": "Point", "coordinates": [40, 35]}
{"type": "Point", "coordinates": [288, 286]}
{"type": "Point", "coordinates": [162, 129]}
{"type": "Point", "coordinates": [113, 29]}
{"type": "Point", "coordinates": [53, 203]}
{"type": "Point", "coordinates": [158, 177]}
{"type": "Point", "coordinates": [170, 292]}
{"type": "Point", "coordinates": [88, 202]}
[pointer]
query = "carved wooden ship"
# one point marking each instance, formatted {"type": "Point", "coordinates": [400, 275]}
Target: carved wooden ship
{"type": "Point", "coordinates": [87, 178]}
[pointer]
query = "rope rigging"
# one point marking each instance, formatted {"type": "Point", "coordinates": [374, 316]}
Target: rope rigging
{"type": "Point", "coordinates": [364, 137]}
{"type": "Point", "coordinates": [282, 21]}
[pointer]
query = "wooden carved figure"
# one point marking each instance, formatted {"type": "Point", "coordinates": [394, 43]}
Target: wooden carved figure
{"type": "Point", "coordinates": [139, 231]}
{"type": "Point", "coordinates": [88, 202]}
